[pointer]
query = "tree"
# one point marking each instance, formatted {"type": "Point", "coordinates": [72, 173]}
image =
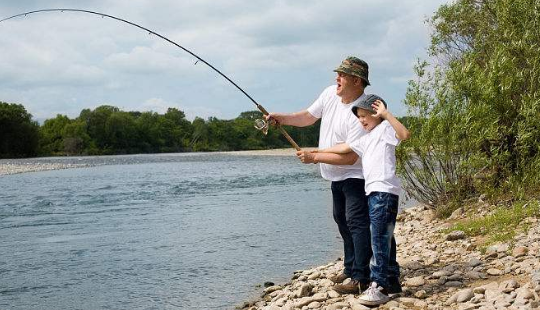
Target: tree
{"type": "Point", "coordinates": [19, 134]}
{"type": "Point", "coordinates": [475, 109]}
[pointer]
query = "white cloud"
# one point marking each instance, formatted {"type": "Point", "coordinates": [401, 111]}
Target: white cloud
{"type": "Point", "coordinates": [280, 52]}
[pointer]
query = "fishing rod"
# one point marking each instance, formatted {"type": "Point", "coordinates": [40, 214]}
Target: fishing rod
{"type": "Point", "coordinates": [259, 124]}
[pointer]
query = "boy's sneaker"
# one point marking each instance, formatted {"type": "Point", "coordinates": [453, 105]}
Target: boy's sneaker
{"type": "Point", "coordinates": [394, 287]}
{"type": "Point", "coordinates": [375, 295]}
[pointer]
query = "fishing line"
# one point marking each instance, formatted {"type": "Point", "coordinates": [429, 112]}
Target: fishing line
{"type": "Point", "coordinates": [260, 107]}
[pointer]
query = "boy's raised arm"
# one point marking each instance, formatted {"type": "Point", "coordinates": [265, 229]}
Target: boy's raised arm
{"type": "Point", "coordinates": [402, 133]}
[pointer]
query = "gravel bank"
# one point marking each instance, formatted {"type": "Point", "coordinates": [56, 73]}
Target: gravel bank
{"type": "Point", "coordinates": [440, 270]}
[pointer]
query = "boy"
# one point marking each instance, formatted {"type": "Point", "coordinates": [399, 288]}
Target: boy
{"type": "Point", "coordinates": [377, 151]}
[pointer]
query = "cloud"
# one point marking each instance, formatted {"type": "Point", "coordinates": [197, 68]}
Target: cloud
{"type": "Point", "coordinates": [280, 52]}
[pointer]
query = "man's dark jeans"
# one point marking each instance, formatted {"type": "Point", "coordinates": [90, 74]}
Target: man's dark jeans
{"type": "Point", "coordinates": [352, 217]}
{"type": "Point", "coordinates": [383, 208]}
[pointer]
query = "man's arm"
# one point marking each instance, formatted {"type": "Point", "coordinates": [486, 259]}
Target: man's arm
{"type": "Point", "coordinates": [308, 157]}
{"type": "Point", "coordinates": [298, 119]}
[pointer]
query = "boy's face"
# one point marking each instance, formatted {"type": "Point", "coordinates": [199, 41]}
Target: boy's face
{"type": "Point", "coordinates": [368, 120]}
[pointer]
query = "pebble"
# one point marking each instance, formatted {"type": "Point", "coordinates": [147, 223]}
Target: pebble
{"type": "Point", "coordinates": [436, 273]}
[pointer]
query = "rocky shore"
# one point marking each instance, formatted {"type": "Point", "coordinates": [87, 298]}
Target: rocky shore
{"type": "Point", "coordinates": [441, 269]}
{"type": "Point", "coordinates": [14, 168]}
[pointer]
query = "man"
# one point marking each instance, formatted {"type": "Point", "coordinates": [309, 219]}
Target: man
{"type": "Point", "coordinates": [338, 125]}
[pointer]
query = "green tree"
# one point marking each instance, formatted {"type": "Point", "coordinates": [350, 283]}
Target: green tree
{"type": "Point", "coordinates": [19, 134]}
{"type": "Point", "coordinates": [475, 110]}
{"type": "Point", "coordinates": [52, 135]}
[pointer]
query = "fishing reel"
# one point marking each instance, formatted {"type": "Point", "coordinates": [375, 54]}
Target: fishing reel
{"type": "Point", "coordinates": [262, 125]}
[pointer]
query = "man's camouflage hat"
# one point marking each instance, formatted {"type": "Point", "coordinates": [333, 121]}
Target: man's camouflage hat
{"type": "Point", "coordinates": [355, 66]}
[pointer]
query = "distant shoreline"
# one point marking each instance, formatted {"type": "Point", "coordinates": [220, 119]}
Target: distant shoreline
{"type": "Point", "coordinates": [17, 166]}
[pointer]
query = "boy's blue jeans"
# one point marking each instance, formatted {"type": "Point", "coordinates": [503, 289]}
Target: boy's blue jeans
{"type": "Point", "coordinates": [383, 209]}
{"type": "Point", "coordinates": [351, 215]}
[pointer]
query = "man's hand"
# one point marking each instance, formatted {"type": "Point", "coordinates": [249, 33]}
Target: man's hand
{"type": "Point", "coordinates": [274, 118]}
{"type": "Point", "coordinates": [307, 157]}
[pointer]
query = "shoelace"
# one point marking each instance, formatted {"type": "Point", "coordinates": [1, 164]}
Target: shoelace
{"type": "Point", "coordinates": [372, 291]}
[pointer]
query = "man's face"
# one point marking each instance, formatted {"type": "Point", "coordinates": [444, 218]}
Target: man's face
{"type": "Point", "coordinates": [367, 120]}
{"type": "Point", "coordinates": [345, 84]}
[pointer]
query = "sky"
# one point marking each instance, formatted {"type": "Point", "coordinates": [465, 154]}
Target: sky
{"type": "Point", "coordinates": [282, 53]}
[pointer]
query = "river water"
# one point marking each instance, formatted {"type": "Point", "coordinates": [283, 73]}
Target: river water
{"type": "Point", "coordinates": [179, 231]}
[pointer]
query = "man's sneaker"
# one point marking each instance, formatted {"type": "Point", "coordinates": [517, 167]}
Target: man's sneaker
{"type": "Point", "coordinates": [375, 295]}
{"type": "Point", "coordinates": [339, 278]}
{"type": "Point", "coordinates": [394, 287]}
{"type": "Point", "coordinates": [351, 287]}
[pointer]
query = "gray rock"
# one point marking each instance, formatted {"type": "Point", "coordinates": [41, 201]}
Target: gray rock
{"type": "Point", "coordinates": [456, 235]}
{"type": "Point", "coordinates": [474, 262]}
{"type": "Point", "coordinates": [416, 281]}
{"type": "Point", "coordinates": [441, 273]}
{"type": "Point", "coordinates": [453, 284]}
{"type": "Point", "coordinates": [508, 286]}
{"type": "Point", "coordinates": [464, 295]}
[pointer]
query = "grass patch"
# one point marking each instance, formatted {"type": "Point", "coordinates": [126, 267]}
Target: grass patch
{"type": "Point", "coordinates": [502, 225]}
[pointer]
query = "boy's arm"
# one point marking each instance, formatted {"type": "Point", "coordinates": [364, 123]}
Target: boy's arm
{"type": "Point", "coordinates": [341, 148]}
{"type": "Point", "coordinates": [402, 133]}
{"type": "Point", "coordinates": [308, 157]}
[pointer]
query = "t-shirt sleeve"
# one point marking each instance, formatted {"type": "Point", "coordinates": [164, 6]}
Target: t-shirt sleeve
{"type": "Point", "coordinates": [389, 135]}
{"type": "Point", "coordinates": [356, 146]}
{"type": "Point", "coordinates": [316, 109]}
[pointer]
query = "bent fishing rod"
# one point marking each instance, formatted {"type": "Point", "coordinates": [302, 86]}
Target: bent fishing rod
{"type": "Point", "coordinates": [261, 124]}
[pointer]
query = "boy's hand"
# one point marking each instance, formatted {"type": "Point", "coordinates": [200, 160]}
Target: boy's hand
{"type": "Point", "coordinates": [306, 157]}
{"type": "Point", "coordinates": [380, 109]}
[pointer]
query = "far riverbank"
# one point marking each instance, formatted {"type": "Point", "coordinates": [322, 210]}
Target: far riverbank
{"type": "Point", "coordinates": [23, 165]}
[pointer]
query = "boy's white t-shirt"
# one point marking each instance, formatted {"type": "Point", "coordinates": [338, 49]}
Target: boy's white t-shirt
{"type": "Point", "coordinates": [338, 125]}
{"type": "Point", "coordinates": [377, 150]}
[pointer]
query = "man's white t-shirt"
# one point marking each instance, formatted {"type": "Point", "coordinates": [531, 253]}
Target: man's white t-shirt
{"type": "Point", "coordinates": [377, 150]}
{"type": "Point", "coordinates": [338, 125]}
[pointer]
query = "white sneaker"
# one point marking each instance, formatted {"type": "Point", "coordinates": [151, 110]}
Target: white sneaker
{"type": "Point", "coordinates": [375, 295]}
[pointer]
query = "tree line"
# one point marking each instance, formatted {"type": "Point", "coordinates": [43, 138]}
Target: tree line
{"type": "Point", "coordinates": [108, 130]}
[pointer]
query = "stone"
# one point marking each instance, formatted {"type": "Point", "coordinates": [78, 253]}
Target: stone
{"type": "Point", "coordinates": [320, 297]}
{"type": "Point", "coordinates": [520, 251]}
{"type": "Point", "coordinates": [453, 284]}
{"type": "Point", "coordinates": [473, 262]}
{"type": "Point", "coordinates": [416, 281]}
{"type": "Point", "coordinates": [333, 294]}
{"type": "Point", "coordinates": [464, 295]}
{"type": "Point", "coordinates": [494, 272]}
{"type": "Point", "coordinates": [441, 273]}
{"type": "Point", "coordinates": [508, 286]}
{"type": "Point", "coordinates": [479, 290]}
{"type": "Point", "coordinates": [524, 293]}
{"type": "Point", "coordinates": [456, 235]}
{"type": "Point", "coordinates": [421, 294]}
{"type": "Point", "coordinates": [338, 305]}
{"type": "Point", "coordinates": [272, 288]}
{"type": "Point", "coordinates": [314, 276]}
{"type": "Point", "coordinates": [355, 305]}
{"type": "Point", "coordinates": [305, 290]}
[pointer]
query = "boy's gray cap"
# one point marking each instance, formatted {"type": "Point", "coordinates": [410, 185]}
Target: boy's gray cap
{"type": "Point", "coordinates": [366, 102]}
